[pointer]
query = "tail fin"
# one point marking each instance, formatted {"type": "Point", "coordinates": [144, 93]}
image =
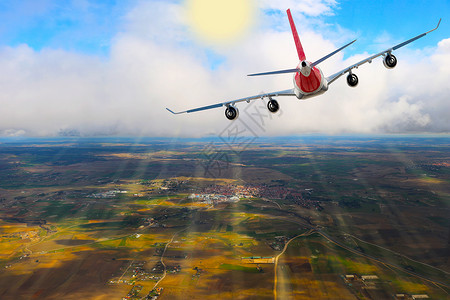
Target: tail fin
{"type": "Point", "coordinates": [298, 44]}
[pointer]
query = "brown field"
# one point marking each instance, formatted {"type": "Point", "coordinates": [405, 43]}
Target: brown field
{"type": "Point", "coordinates": [68, 230]}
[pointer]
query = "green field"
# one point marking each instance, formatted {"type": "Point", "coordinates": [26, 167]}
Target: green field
{"type": "Point", "coordinates": [93, 220]}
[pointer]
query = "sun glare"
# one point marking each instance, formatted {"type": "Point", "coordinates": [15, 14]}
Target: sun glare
{"type": "Point", "coordinates": [220, 21]}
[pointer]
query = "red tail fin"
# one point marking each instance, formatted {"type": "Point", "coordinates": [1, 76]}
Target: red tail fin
{"type": "Point", "coordinates": [298, 44]}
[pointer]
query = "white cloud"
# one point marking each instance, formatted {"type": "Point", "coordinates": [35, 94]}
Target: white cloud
{"type": "Point", "coordinates": [154, 64]}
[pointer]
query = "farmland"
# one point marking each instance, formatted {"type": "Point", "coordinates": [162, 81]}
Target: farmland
{"type": "Point", "coordinates": [156, 218]}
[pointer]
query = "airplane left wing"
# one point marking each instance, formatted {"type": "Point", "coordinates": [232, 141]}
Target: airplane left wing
{"type": "Point", "coordinates": [335, 76]}
{"type": "Point", "coordinates": [289, 92]}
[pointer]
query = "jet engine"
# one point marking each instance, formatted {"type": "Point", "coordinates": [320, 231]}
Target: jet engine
{"type": "Point", "coordinates": [231, 112]}
{"type": "Point", "coordinates": [390, 61]}
{"type": "Point", "coordinates": [273, 105]}
{"type": "Point", "coordinates": [352, 80]}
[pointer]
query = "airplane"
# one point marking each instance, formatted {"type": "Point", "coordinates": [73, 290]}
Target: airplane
{"type": "Point", "coordinates": [309, 80]}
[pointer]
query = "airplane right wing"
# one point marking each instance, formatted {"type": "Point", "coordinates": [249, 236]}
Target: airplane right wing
{"type": "Point", "coordinates": [386, 52]}
{"type": "Point", "coordinates": [289, 92]}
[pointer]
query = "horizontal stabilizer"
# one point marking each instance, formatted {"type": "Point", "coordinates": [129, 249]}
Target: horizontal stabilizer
{"type": "Point", "coordinates": [276, 72]}
{"type": "Point", "coordinates": [298, 70]}
{"type": "Point", "coordinates": [331, 54]}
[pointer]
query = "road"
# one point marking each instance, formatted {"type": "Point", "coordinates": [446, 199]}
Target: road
{"type": "Point", "coordinates": [162, 258]}
{"type": "Point", "coordinates": [275, 280]}
{"type": "Point", "coordinates": [379, 260]}
{"type": "Point", "coordinates": [47, 237]}
{"type": "Point", "coordinates": [396, 253]}
{"type": "Point", "coordinates": [265, 199]}
{"type": "Point", "coordinates": [311, 231]}
{"type": "Point", "coordinates": [119, 280]}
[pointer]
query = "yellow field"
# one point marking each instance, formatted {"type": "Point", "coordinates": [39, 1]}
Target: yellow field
{"type": "Point", "coordinates": [84, 254]}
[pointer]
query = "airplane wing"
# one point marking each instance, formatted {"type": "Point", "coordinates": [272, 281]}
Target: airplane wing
{"type": "Point", "coordinates": [335, 76]}
{"type": "Point", "coordinates": [289, 92]}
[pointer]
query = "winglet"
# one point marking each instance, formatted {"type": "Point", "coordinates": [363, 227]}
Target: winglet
{"type": "Point", "coordinates": [298, 44]}
{"type": "Point", "coordinates": [175, 113]}
{"type": "Point", "coordinates": [416, 38]}
{"type": "Point", "coordinates": [435, 27]}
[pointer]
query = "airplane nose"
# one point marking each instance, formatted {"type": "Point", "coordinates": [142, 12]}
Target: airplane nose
{"type": "Point", "coordinates": [303, 64]}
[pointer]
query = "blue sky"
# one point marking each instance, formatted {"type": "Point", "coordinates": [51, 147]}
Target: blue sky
{"type": "Point", "coordinates": [112, 67]}
{"type": "Point", "coordinates": [89, 26]}
{"type": "Point", "coordinates": [400, 19]}
{"type": "Point", "coordinates": [81, 26]}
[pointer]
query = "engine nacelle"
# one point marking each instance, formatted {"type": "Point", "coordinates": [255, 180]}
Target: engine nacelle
{"type": "Point", "coordinates": [390, 61]}
{"type": "Point", "coordinates": [352, 80]}
{"type": "Point", "coordinates": [273, 105]}
{"type": "Point", "coordinates": [231, 112]}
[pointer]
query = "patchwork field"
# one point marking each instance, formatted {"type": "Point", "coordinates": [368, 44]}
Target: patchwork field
{"type": "Point", "coordinates": [321, 217]}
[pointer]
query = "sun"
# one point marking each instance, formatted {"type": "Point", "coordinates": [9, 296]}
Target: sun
{"type": "Point", "coordinates": [220, 21]}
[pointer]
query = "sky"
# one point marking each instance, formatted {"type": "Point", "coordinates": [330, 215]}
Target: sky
{"type": "Point", "coordinates": [110, 68]}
